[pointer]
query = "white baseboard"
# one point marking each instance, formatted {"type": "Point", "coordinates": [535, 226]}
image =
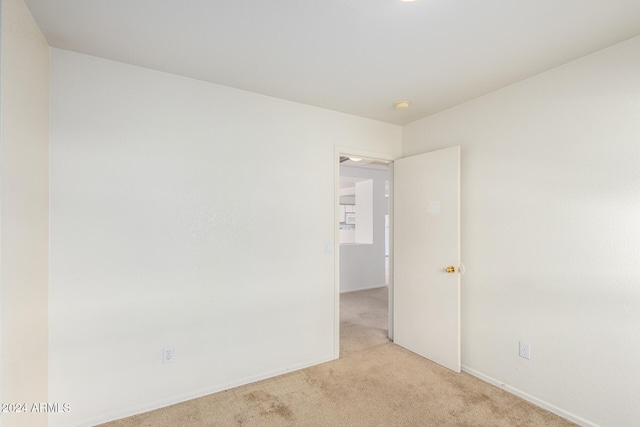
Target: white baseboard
{"type": "Point", "coordinates": [179, 399]}
{"type": "Point", "coordinates": [366, 288]}
{"type": "Point", "coordinates": [161, 404]}
{"type": "Point", "coordinates": [532, 399]}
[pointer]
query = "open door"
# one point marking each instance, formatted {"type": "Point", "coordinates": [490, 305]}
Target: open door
{"type": "Point", "coordinates": [426, 199]}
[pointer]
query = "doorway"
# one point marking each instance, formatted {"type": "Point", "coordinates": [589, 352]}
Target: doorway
{"type": "Point", "coordinates": [424, 252]}
{"type": "Point", "coordinates": [363, 250]}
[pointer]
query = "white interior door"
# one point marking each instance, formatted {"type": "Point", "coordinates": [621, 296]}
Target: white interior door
{"type": "Point", "coordinates": [426, 308]}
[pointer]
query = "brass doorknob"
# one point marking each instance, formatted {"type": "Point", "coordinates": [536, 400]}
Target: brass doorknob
{"type": "Point", "coordinates": [451, 269]}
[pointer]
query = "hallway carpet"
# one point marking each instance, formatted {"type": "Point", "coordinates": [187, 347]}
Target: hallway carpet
{"type": "Point", "coordinates": [374, 383]}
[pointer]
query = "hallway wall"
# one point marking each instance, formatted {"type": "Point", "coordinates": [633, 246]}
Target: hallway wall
{"type": "Point", "coordinates": [362, 266]}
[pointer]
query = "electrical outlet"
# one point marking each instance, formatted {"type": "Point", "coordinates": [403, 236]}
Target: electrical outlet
{"type": "Point", "coordinates": [525, 350]}
{"type": "Point", "coordinates": [167, 355]}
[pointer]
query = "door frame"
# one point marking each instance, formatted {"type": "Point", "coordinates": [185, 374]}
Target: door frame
{"type": "Point", "coordinates": [357, 152]}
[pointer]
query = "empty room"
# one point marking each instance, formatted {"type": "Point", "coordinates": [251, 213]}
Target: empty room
{"type": "Point", "coordinates": [172, 216]}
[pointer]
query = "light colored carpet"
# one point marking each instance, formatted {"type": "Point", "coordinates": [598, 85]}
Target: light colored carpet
{"type": "Point", "coordinates": [364, 319]}
{"type": "Point", "coordinates": [374, 383]}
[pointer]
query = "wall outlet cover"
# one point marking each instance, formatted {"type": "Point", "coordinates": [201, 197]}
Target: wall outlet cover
{"type": "Point", "coordinates": [525, 350]}
{"type": "Point", "coordinates": [167, 355]}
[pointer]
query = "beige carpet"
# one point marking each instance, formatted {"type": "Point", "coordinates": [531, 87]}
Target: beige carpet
{"type": "Point", "coordinates": [374, 383]}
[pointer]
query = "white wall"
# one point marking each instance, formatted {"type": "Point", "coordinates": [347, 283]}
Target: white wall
{"type": "Point", "coordinates": [172, 223]}
{"type": "Point", "coordinates": [362, 266]}
{"type": "Point", "coordinates": [364, 211]}
{"type": "Point", "coordinates": [24, 170]}
{"type": "Point", "coordinates": [551, 233]}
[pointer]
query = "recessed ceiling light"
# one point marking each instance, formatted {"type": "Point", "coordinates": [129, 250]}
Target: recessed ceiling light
{"type": "Point", "coordinates": [403, 104]}
{"type": "Point", "coordinates": [354, 159]}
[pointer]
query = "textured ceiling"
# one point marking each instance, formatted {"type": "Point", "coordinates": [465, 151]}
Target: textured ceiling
{"type": "Point", "coordinates": [353, 56]}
